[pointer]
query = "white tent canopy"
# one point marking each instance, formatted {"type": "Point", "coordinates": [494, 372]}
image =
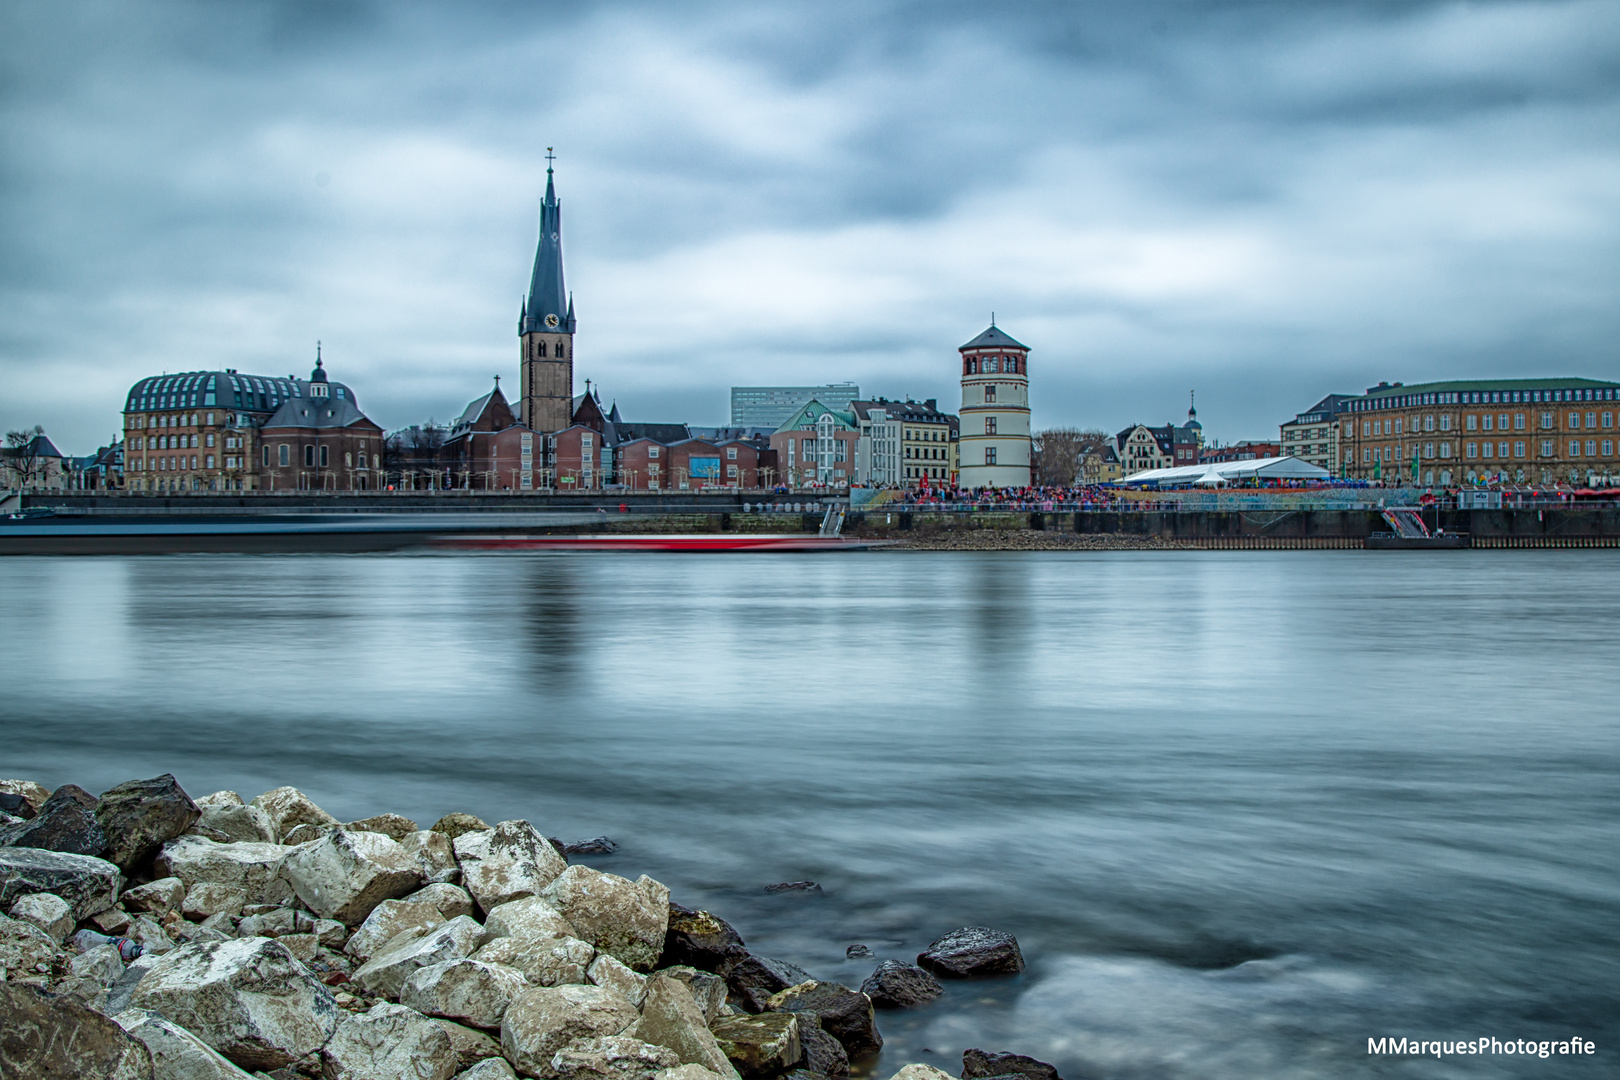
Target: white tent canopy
{"type": "Point", "coordinates": [1231, 472]}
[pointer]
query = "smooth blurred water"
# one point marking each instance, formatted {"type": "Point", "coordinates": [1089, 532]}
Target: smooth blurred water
{"type": "Point", "coordinates": [1243, 810]}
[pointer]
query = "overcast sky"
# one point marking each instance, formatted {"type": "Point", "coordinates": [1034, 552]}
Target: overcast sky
{"type": "Point", "coordinates": [1262, 202]}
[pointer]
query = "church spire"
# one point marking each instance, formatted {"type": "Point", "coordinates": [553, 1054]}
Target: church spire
{"type": "Point", "coordinates": [547, 309]}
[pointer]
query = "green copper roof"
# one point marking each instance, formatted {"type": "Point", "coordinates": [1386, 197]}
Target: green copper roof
{"type": "Point", "coordinates": [1489, 384]}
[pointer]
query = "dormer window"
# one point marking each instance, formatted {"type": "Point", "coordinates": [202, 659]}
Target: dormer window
{"type": "Point", "coordinates": [318, 389]}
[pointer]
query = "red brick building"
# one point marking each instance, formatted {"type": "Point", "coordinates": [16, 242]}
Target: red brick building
{"type": "Point", "coordinates": [320, 442]}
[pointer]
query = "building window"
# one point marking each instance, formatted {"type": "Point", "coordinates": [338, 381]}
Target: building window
{"type": "Point", "coordinates": [1518, 449]}
{"type": "Point", "coordinates": [1546, 421]}
{"type": "Point", "coordinates": [989, 455]}
{"type": "Point", "coordinates": [282, 455]}
{"type": "Point", "coordinates": [1574, 448]}
{"type": "Point", "coordinates": [1472, 450]}
{"type": "Point", "coordinates": [1574, 421]}
{"type": "Point", "coordinates": [1472, 422]}
{"type": "Point", "coordinates": [731, 470]}
{"type": "Point", "coordinates": [991, 365]}
{"type": "Point", "coordinates": [1366, 429]}
{"type": "Point", "coordinates": [1428, 422]}
{"type": "Point", "coordinates": [210, 461]}
{"type": "Point", "coordinates": [1591, 448]}
{"type": "Point", "coordinates": [1428, 450]}
{"type": "Point", "coordinates": [347, 460]}
{"type": "Point", "coordinates": [1485, 422]}
{"type": "Point", "coordinates": [1366, 456]}
{"type": "Point", "coordinates": [309, 456]}
{"type": "Point", "coordinates": [989, 425]}
{"type": "Point", "coordinates": [1546, 448]}
{"type": "Point", "coordinates": [1445, 450]}
{"type": "Point", "coordinates": [1445, 422]}
{"type": "Point", "coordinates": [1608, 447]}
{"type": "Point", "coordinates": [1591, 420]}
{"type": "Point", "coordinates": [652, 453]}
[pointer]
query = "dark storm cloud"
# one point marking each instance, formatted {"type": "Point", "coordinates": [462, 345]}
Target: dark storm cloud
{"type": "Point", "coordinates": [1265, 202]}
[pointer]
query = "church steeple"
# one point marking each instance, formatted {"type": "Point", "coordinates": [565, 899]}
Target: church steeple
{"type": "Point", "coordinates": [548, 309]}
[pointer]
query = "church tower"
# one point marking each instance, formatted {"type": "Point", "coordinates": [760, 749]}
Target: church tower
{"type": "Point", "coordinates": [546, 327]}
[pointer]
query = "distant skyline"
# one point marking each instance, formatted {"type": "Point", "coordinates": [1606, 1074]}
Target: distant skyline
{"type": "Point", "coordinates": [1265, 203]}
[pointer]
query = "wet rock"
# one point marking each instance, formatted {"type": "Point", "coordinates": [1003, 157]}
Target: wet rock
{"type": "Point", "coordinates": [900, 986]}
{"type": "Point", "coordinates": [671, 1017]}
{"type": "Point", "coordinates": [760, 1046]}
{"type": "Point", "coordinates": [48, 1037]}
{"type": "Point", "coordinates": [454, 825]}
{"type": "Point", "coordinates": [598, 845]}
{"type": "Point", "coordinates": [489, 1069]}
{"type": "Point", "coordinates": [158, 897]}
{"type": "Point", "coordinates": [66, 823]}
{"type": "Point", "coordinates": [625, 919]}
{"type": "Point", "coordinates": [139, 816]}
{"type": "Point", "coordinates": [387, 921]}
{"type": "Point", "coordinates": [611, 1057]}
{"type": "Point", "coordinates": [393, 826]}
{"type": "Point", "coordinates": [277, 922]}
{"type": "Point", "coordinates": [25, 948]}
{"type": "Point", "coordinates": [506, 863]}
{"type": "Point", "coordinates": [467, 991]}
{"type": "Point", "coordinates": [33, 796]}
{"type": "Point", "coordinates": [288, 807]}
{"type": "Point", "coordinates": [528, 917]}
{"type": "Point", "coordinates": [471, 1045]}
{"type": "Point", "coordinates": [858, 952]}
{"type": "Point", "coordinates": [88, 884]}
{"type": "Point", "coordinates": [543, 1020]}
{"type": "Point", "coordinates": [608, 972]}
{"type": "Point", "coordinates": [177, 1054]}
{"type": "Point", "coordinates": [977, 1063]}
{"type": "Point", "coordinates": [823, 1054]}
{"type": "Point", "coordinates": [451, 900]}
{"type": "Point", "coordinates": [544, 961]}
{"type": "Point", "coordinates": [973, 951]}
{"type": "Point", "coordinates": [707, 989]}
{"type": "Point", "coordinates": [755, 978]}
{"type": "Point", "coordinates": [385, 973]}
{"type": "Point", "coordinates": [921, 1072]}
{"type": "Point", "coordinates": [388, 1042]}
{"type": "Point", "coordinates": [101, 965]}
{"type": "Point", "coordinates": [254, 869]}
{"type": "Point", "coordinates": [346, 874]}
{"type": "Point", "coordinates": [845, 1014]}
{"type": "Point", "coordinates": [206, 899]}
{"type": "Point", "coordinates": [47, 911]}
{"type": "Point", "coordinates": [251, 1000]}
{"type": "Point", "coordinates": [435, 853]}
{"type": "Point", "coordinates": [794, 887]}
{"type": "Point", "coordinates": [700, 940]}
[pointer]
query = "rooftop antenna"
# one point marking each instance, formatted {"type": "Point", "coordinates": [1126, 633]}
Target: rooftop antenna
{"type": "Point", "coordinates": [992, 318]}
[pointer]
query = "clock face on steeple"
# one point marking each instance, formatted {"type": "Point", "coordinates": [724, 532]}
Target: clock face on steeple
{"type": "Point", "coordinates": [551, 320]}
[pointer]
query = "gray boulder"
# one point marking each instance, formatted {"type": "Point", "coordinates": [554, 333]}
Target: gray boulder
{"type": "Point", "coordinates": [527, 917]}
{"type": "Point", "coordinates": [978, 1063]}
{"type": "Point", "coordinates": [251, 1000]}
{"type": "Point", "coordinates": [611, 1057]}
{"type": "Point", "coordinates": [254, 870]}
{"type": "Point", "coordinates": [25, 948]}
{"type": "Point", "coordinates": [177, 1054]}
{"type": "Point", "coordinates": [760, 1046]}
{"type": "Point", "coordinates": [625, 919]}
{"type": "Point", "coordinates": [708, 990]}
{"type": "Point", "coordinates": [973, 951]}
{"type": "Point", "coordinates": [387, 921]}
{"type": "Point", "coordinates": [288, 807]}
{"type": "Point", "coordinates": [457, 824]}
{"type": "Point", "coordinates": [33, 796]}
{"type": "Point", "coordinates": [66, 823]}
{"type": "Point", "coordinates": [697, 939]}
{"type": "Point", "coordinates": [671, 1017]}
{"type": "Point", "coordinates": [436, 855]}
{"type": "Point", "coordinates": [489, 1069]}
{"type": "Point", "coordinates": [823, 1054]}
{"type": "Point", "coordinates": [543, 1020]}
{"type": "Point", "coordinates": [384, 974]}
{"type": "Point", "coordinates": [393, 826]}
{"type": "Point", "coordinates": [471, 1045]}
{"type": "Point", "coordinates": [510, 861]}
{"type": "Point", "coordinates": [843, 1013]}
{"type": "Point", "coordinates": [467, 991]}
{"type": "Point", "coordinates": [158, 897]}
{"type": "Point", "coordinates": [544, 961]}
{"type": "Point", "coordinates": [608, 972]}
{"type": "Point", "coordinates": [47, 911]}
{"type": "Point", "coordinates": [46, 1037]}
{"type": "Point", "coordinates": [102, 965]}
{"type": "Point", "coordinates": [451, 900]}
{"type": "Point", "coordinates": [346, 874]}
{"type": "Point", "coordinates": [139, 816]}
{"type": "Point", "coordinates": [894, 985]}
{"type": "Point", "coordinates": [388, 1042]}
{"type": "Point", "coordinates": [226, 818]}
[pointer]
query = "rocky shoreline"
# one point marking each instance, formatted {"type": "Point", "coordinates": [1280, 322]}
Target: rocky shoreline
{"type": "Point", "coordinates": [150, 936]}
{"type": "Point", "coordinates": [1029, 540]}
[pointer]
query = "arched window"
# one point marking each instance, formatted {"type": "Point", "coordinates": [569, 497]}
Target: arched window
{"type": "Point", "coordinates": [991, 365]}
{"type": "Point", "coordinates": [540, 349]}
{"type": "Point", "coordinates": [972, 367]}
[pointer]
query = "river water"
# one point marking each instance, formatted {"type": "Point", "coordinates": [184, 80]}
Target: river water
{"type": "Point", "coordinates": [1243, 810]}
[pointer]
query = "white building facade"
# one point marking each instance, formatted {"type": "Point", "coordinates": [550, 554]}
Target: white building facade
{"type": "Point", "coordinates": [994, 443]}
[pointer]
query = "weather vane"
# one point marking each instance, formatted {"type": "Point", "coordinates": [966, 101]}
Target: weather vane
{"type": "Point", "coordinates": [550, 157]}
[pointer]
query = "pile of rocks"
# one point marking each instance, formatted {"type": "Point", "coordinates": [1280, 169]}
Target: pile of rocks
{"type": "Point", "coordinates": [279, 942]}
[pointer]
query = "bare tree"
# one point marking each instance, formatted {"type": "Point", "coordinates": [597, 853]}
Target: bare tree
{"type": "Point", "coordinates": [1060, 451]}
{"type": "Point", "coordinates": [22, 454]}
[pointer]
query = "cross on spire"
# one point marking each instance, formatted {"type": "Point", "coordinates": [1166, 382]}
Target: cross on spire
{"type": "Point", "coordinates": [550, 157]}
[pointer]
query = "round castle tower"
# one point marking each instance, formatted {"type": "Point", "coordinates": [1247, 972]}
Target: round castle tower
{"type": "Point", "coordinates": [994, 447]}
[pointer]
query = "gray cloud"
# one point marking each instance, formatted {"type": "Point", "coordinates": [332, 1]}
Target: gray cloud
{"type": "Point", "coordinates": [1265, 202]}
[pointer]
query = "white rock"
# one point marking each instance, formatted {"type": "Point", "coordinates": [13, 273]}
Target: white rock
{"type": "Point", "coordinates": [625, 919]}
{"type": "Point", "coordinates": [393, 826]}
{"type": "Point", "coordinates": [47, 911]}
{"type": "Point", "coordinates": [249, 999]}
{"type": "Point", "coordinates": [388, 1042]}
{"type": "Point", "coordinates": [220, 798]}
{"type": "Point", "coordinates": [469, 991]}
{"type": "Point", "coordinates": [159, 897]}
{"type": "Point", "coordinates": [101, 965]}
{"type": "Point", "coordinates": [385, 973]}
{"type": "Point", "coordinates": [387, 921]}
{"type": "Point", "coordinates": [276, 923]}
{"type": "Point", "coordinates": [149, 933]}
{"type": "Point", "coordinates": [489, 1069]}
{"type": "Point", "coordinates": [528, 917]}
{"type": "Point", "coordinates": [507, 862]}
{"type": "Point", "coordinates": [708, 990]}
{"type": "Point", "coordinates": [287, 807]}
{"type": "Point", "coordinates": [207, 898]}
{"type": "Point", "coordinates": [611, 1057]}
{"type": "Point", "coordinates": [234, 823]}
{"type": "Point", "coordinates": [177, 1054]}
{"type": "Point", "coordinates": [921, 1072]}
{"type": "Point", "coordinates": [553, 961]}
{"type": "Point", "coordinates": [451, 900]}
{"type": "Point", "coordinates": [436, 855]}
{"type": "Point", "coordinates": [671, 1017]}
{"type": "Point", "coordinates": [545, 1019]}
{"type": "Point", "coordinates": [686, 1072]}
{"type": "Point", "coordinates": [255, 869]}
{"type": "Point", "coordinates": [472, 1045]}
{"type": "Point", "coordinates": [303, 946]}
{"type": "Point", "coordinates": [608, 972]}
{"type": "Point", "coordinates": [330, 933]}
{"type": "Point", "coordinates": [306, 833]}
{"type": "Point", "coordinates": [345, 875]}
